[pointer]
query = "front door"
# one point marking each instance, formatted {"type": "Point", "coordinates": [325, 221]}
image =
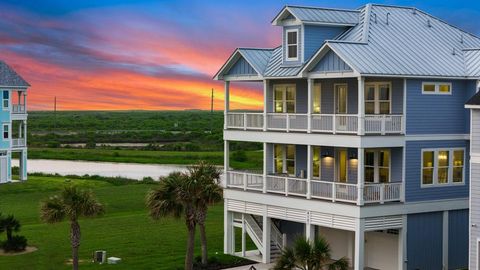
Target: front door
{"type": "Point", "coordinates": [341, 106]}
{"type": "Point", "coordinates": [342, 165]}
{"type": "Point", "coordinates": [3, 169]}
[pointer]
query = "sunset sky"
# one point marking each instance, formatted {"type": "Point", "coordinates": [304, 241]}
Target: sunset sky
{"type": "Point", "coordinates": [151, 55]}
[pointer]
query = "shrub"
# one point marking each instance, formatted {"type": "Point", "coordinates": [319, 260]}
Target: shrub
{"type": "Point", "coordinates": [17, 243]}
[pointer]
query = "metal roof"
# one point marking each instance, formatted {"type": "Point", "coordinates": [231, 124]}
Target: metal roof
{"type": "Point", "coordinates": [276, 68]}
{"type": "Point", "coordinates": [472, 62]}
{"type": "Point", "coordinates": [8, 77]}
{"type": "Point", "coordinates": [258, 58]}
{"type": "Point", "coordinates": [475, 100]}
{"type": "Point", "coordinates": [324, 15]}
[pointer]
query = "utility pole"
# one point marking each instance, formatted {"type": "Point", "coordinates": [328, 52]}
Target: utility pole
{"type": "Point", "coordinates": [211, 111]}
{"type": "Point", "coordinates": [54, 115]}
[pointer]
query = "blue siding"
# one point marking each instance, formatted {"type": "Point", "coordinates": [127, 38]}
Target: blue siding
{"type": "Point", "coordinates": [5, 119]}
{"type": "Point", "coordinates": [327, 163]}
{"type": "Point", "coordinates": [396, 164]}
{"type": "Point", "coordinates": [301, 159]}
{"type": "Point", "coordinates": [458, 239]}
{"type": "Point", "coordinates": [438, 114]}
{"type": "Point", "coordinates": [424, 241]}
{"type": "Point", "coordinates": [316, 35]}
{"type": "Point", "coordinates": [413, 190]}
{"type": "Point", "coordinates": [331, 63]}
{"type": "Point", "coordinates": [300, 45]}
{"type": "Point", "coordinates": [241, 67]}
{"type": "Point", "coordinates": [352, 166]}
{"type": "Point", "coordinates": [301, 105]}
{"type": "Point", "coordinates": [328, 95]}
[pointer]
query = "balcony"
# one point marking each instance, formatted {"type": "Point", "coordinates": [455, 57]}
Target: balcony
{"type": "Point", "coordinates": [18, 109]}
{"type": "Point", "coordinates": [316, 189]}
{"type": "Point", "coordinates": [317, 123]}
{"type": "Point", "coordinates": [20, 142]}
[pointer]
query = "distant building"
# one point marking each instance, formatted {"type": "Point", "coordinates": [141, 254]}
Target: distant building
{"type": "Point", "coordinates": [13, 117]}
{"type": "Point", "coordinates": [365, 137]}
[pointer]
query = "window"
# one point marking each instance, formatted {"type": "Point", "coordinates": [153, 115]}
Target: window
{"type": "Point", "coordinates": [6, 132]}
{"type": "Point", "coordinates": [377, 98]}
{"type": "Point", "coordinates": [316, 162]}
{"type": "Point", "coordinates": [377, 166]}
{"type": "Point", "coordinates": [284, 159]}
{"type": "Point", "coordinates": [292, 44]}
{"type": "Point", "coordinates": [317, 98]}
{"type": "Point", "coordinates": [5, 103]}
{"type": "Point", "coordinates": [284, 98]}
{"type": "Point", "coordinates": [439, 88]}
{"type": "Point", "coordinates": [441, 167]}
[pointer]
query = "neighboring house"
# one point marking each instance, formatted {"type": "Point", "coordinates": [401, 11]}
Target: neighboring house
{"type": "Point", "coordinates": [13, 117]}
{"type": "Point", "coordinates": [474, 105]}
{"type": "Point", "coordinates": [365, 137]}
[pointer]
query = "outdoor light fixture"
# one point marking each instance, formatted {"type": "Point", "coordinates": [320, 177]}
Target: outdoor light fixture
{"type": "Point", "coordinates": [327, 153]}
{"type": "Point", "coordinates": [353, 155]}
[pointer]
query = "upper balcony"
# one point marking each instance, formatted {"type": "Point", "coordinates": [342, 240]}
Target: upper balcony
{"type": "Point", "coordinates": [331, 106]}
{"type": "Point", "coordinates": [19, 105]}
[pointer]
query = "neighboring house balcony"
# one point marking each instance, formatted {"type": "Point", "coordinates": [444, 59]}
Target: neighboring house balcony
{"type": "Point", "coordinates": [19, 131]}
{"type": "Point", "coordinates": [19, 106]}
{"type": "Point", "coordinates": [363, 106]}
{"type": "Point", "coordinates": [355, 176]}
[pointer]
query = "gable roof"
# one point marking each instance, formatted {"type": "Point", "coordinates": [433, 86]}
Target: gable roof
{"type": "Point", "coordinates": [257, 58]}
{"type": "Point", "coordinates": [9, 78]}
{"type": "Point", "coordinates": [473, 102]}
{"type": "Point", "coordinates": [318, 15]}
{"type": "Point", "coordinates": [472, 62]}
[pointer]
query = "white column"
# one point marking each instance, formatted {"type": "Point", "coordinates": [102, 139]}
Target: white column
{"type": "Point", "coordinates": [228, 231]}
{"type": "Point", "coordinates": [359, 245]}
{"type": "Point", "coordinates": [310, 105]}
{"type": "Point", "coordinates": [227, 103]}
{"type": "Point", "coordinates": [244, 238]}
{"type": "Point", "coordinates": [309, 171]}
{"type": "Point", "coordinates": [25, 100]}
{"type": "Point", "coordinates": [309, 229]}
{"type": "Point", "coordinates": [361, 106]}
{"type": "Point", "coordinates": [25, 131]}
{"type": "Point", "coordinates": [265, 104]}
{"type": "Point", "coordinates": [226, 161]}
{"type": "Point", "coordinates": [445, 241]}
{"type": "Point", "coordinates": [24, 165]}
{"type": "Point", "coordinates": [266, 237]}
{"type": "Point", "coordinates": [265, 167]}
{"type": "Point", "coordinates": [402, 244]}
{"type": "Point", "coordinates": [360, 175]}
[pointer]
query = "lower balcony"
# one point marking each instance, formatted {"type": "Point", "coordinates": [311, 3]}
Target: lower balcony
{"type": "Point", "coordinates": [320, 123]}
{"type": "Point", "coordinates": [316, 189]}
{"type": "Point", "coordinates": [17, 143]}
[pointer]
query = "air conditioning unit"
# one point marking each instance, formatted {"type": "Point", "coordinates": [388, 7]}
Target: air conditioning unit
{"type": "Point", "coordinates": [100, 256]}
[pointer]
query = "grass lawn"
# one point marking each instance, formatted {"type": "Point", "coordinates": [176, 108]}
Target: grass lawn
{"type": "Point", "coordinates": [254, 158]}
{"type": "Point", "coordinates": [125, 230]}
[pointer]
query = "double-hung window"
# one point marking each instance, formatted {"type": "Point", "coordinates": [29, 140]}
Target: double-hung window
{"type": "Point", "coordinates": [437, 88]}
{"type": "Point", "coordinates": [292, 44]}
{"type": "Point", "coordinates": [316, 162]}
{"type": "Point", "coordinates": [317, 98]}
{"type": "Point", "coordinates": [6, 131]}
{"type": "Point", "coordinates": [6, 102]}
{"type": "Point", "coordinates": [377, 98]}
{"type": "Point", "coordinates": [284, 159]}
{"type": "Point", "coordinates": [443, 166]}
{"type": "Point", "coordinates": [284, 98]}
{"type": "Point", "coordinates": [377, 165]}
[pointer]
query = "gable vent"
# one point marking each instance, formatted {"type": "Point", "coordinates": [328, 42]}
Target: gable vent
{"type": "Point", "coordinates": [388, 17]}
{"type": "Point", "coordinates": [429, 24]}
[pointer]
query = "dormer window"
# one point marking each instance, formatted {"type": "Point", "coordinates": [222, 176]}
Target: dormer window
{"type": "Point", "coordinates": [292, 44]}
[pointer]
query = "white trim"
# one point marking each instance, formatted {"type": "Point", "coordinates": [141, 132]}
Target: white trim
{"type": "Point", "coordinates": [8, 100]}
{"type": "Point", "coordinates": [333, 74]}
{"type": "Point", "coordinates": [437, 137]}
{"type": "Point", "coordinates": [8, 130]}
{"type": "Point", "coordinates": [451, 166]}
{"type": "Point", "coordinates": [287, 31]}
{"type": "Point", "coordinates": [470, 106]}
{"type": "Point", "coordinates": [251, 78]}
{"type": "Point", "coordinates": [230, 62]}
{"type": "Point", "coordinates": [437, 88]}
{"type": "Point", "coordinates": [318, 56]}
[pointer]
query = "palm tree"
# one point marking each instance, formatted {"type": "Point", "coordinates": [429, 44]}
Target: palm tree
{"type": "Point", "coordinates": [175, 196]}
{"type": "Point", "coordinates": [309, 255]}
{"type": "Point", "coordinates": [207, 177]}
{"type": "Point", "coordinates": [9, 225]}
{"type": "Point", "coordinates": [70, 205]}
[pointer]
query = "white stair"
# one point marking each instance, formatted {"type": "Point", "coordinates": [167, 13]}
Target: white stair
{"type": "Point", "coordinates": [254, 228]}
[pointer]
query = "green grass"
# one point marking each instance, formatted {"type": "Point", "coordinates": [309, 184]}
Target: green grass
{"type": "Point", "coordinates": [254, 158]}
{"type": "Point", "coordinates": [125, 230]}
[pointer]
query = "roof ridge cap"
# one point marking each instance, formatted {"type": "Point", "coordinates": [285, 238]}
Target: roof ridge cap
{"type": "Point", "coordinates": [325, 8]}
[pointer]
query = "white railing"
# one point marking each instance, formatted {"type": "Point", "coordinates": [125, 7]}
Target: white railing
{"type": "Point", "coordinates": [254, 231]}
{"type": "Point", "coordinates": [18, 108]}
{"type": "Point", "coordinates": [325, 123]}
{"type": "Point", "coordinates": [382, 192]}
{"type": "Point", "coordinates": [383, 124]}
{"type": "Point", "coordinates": [19, 142]}
{"type": "Point", "coordinates": [319, 189]}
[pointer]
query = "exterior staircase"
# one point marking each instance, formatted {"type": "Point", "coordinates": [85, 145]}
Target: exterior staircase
{"type": "Point", "coordinates": [254, 229]}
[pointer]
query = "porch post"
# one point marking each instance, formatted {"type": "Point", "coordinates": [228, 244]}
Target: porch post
{"type": "Point", "coordinates": [266, 236]}
{"type": "Point", "coordinates": [309, 229]}
{"type": "Point", "coordinates": [309, 171]}
{"type": "Point", "coordinates": [265, 167]}
{"type": "Point", "coordinates": [360, 175]}
{"type": "Point", "coordinates": [228, 231]}
{"type": "Point", "coordinates": [310, 105]}
{"type": "Point", "coordinates": [359, 245]}
{"type": "Point", "coordinates": [244, 239]}
{"type": "Point", "coordinates": [227, 103]}
{"type": "Point", "coordinates": [402, 244]}
{"type": "Point", "coordinates": [265, 104]}
{"type": "Point", "coordinates": [445, 228]}
{"type": "Point", "coordinates": [361, 106]}
{"type": "Point", "coordinates": [226, 161]}
{"type": "Point", "coordinates": [25, 101]}
{"type": "Point", "coordinates": [404, 110]}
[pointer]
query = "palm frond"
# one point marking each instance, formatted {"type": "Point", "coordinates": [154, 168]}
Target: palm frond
{"type": "Point", "coordinates": [52, 210]}
{"type": "Point", "coordinates": [164, 200]}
